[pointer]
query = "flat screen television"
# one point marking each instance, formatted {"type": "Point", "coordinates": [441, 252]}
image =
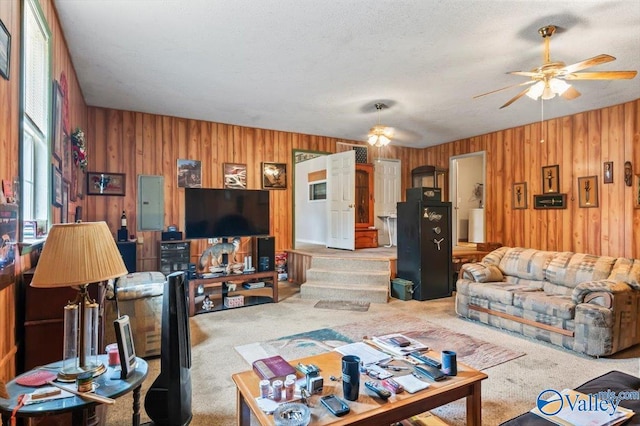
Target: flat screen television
{"type": "Point", "coordinates": [225, 213]}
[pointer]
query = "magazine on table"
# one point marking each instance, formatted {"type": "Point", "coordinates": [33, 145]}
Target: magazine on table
{"type": "Point", "coordinates": [386, 343]}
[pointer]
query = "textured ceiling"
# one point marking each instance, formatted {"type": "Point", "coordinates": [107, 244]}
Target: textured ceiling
{"type": "Point", "coordinates": [318, 67]}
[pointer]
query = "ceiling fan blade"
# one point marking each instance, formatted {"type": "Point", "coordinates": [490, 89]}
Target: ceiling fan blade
{"type": "Point", "coordinates": [591, 62]}
{"type": "Point", "coordinates": [525, 73]}
{"type": "Point", "coordinates": [570, 93]}
{"type": "Point", "coordinates": [505, 88]}
{"type": "Point", "coordinates": [515, 98]}
{"type": "Point", "coordinates": [601, 75]}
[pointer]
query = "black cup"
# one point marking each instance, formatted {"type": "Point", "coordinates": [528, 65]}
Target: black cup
{"type": "Point", "coordinates": [449, 363]}
{"type": "Point", "coordinates": [351, 377]}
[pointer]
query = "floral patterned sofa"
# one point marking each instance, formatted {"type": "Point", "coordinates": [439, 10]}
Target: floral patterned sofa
{"type": "Point", "coordinates": [586, 303]}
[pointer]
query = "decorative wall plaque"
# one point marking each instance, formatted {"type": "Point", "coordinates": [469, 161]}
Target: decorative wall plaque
{"type": "Point", "coordinates": [550, 201]}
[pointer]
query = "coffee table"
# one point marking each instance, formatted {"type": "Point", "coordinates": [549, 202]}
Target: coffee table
{"type": "Point", "coordinates": [367, 410]}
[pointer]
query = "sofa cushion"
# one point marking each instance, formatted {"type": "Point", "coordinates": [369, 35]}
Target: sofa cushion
{"type": "Point", "coordinates": [626, 270]}
{"type": "Point", "coordinates": [493, 292]}
{"type": "Point", "coordinates": [495, 256]}
{"type": "Point", "coordinates": [558, 306]}
{"type": "Point", "coordinates": [482, 273]}
{"type": "Point", "coordinates": [570, 269]}
{"type": "Point", "coordinates": [524, 263]}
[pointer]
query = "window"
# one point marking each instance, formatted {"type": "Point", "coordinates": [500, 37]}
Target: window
{"type": "Point", "coordinates": [35, 123]}
{"type": "Point", "coordinates": [318, 190]}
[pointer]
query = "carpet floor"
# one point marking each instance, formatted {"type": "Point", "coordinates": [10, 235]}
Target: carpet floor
{"type": "Point", "coordinates": [474, 352]}
{"type": "Point", "coordinates": [512, 387]}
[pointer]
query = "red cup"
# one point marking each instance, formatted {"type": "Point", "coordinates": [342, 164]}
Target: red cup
{"type": "Point", "coordinates": [114, 355]}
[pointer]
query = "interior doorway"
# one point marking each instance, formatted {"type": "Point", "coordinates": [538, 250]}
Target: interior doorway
{"type": "Point", "coordinates": [467, 194]}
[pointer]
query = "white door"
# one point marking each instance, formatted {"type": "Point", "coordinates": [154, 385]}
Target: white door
{"type": "Point", "coordinates": [341, 185]}
{"type": "Point", "coordinates": [387, 194]}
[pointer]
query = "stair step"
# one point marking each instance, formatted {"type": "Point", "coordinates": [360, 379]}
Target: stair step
{"type": "Point", "coordinates": [352, 264]}
{"type": "Point", "coordinates": [332, 291]}
{"type": "Point", "coordinates": [349, 278]}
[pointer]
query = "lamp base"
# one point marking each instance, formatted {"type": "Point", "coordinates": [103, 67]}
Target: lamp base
{"type": "Point", "coordinates": [70, 375]}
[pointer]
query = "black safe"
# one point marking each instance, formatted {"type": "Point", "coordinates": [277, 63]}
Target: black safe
{"type": "Point", "coordinates": [425, 247]}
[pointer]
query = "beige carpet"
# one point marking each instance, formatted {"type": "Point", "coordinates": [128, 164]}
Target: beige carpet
{"type": "Point", "coordinates": [511, 388]}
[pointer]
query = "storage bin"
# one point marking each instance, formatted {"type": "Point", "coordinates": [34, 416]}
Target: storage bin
{"type": "Point", "coordinates": [402, 289]}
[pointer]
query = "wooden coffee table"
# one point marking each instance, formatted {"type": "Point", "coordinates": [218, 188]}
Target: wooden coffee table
{"type": "Point", "coordinates": [367, 410]}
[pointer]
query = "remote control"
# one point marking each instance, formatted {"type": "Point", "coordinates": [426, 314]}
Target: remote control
{"type": "Point", "coordinates": [425, 359]}
{"type": "Point", "coordinates": [379, 390]}
{"type": "Point", "coordinates": [392, 385]}
{"type": "Point", "coordinates": [430, 372]}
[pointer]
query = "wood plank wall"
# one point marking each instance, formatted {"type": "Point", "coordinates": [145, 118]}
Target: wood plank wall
{"type": "Point", "coordinates": [136, 143]}
{"type": "Point", "coordinates": [579, 144]}
{"type": "Point", "coordinates": [10, 14]}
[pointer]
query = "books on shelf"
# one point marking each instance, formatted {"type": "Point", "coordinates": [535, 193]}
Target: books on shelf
{"type": "Point", "coordinates": [579, 409]}
{"type": "Point", "coordinates": [386, 343]}
{"type": "Point", "coordinates": [272, 368]}
{"type": "Point", "coordinates": [259, 284]}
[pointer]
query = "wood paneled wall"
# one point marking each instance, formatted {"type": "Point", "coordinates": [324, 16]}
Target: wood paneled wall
{"type": "Point", "coordinates": [579, 144]}
{"type": "Point", "coordinates": [10, 14]}
{"type": "Point", "coordinates": [137, 143]}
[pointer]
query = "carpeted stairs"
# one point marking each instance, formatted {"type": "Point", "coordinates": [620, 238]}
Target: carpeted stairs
{"type": "Point", "coordinates": [351, 279]}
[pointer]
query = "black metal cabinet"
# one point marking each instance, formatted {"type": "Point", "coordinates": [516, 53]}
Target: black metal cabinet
{"type": "Point", "coordinates": [425, 248]}
{"type": "Point", "coordinates": [128, 252]}
{"type": "Point", "coordinates": [174, 256]}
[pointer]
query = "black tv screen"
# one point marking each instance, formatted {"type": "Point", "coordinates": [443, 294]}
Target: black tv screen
{"type": "Point", "coordinates": [217, 213]}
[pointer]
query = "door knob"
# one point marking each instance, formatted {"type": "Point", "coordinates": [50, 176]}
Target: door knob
{"type": "Point", "coordinates": [351, 206]}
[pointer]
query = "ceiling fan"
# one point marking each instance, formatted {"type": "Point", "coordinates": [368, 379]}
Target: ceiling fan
{"type": "Point", "coordinates": [549, 79]}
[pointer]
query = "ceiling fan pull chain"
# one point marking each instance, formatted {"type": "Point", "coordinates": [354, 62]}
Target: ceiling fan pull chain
{"type": "Point", "coordinates": [541, 120]}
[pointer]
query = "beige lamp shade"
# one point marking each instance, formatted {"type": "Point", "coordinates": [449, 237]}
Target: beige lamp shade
{"type": "Point", "coordinates": [78, 254]}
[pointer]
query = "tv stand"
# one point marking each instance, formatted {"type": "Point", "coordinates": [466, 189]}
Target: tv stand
{"type": "Point", "coordinates": [217, 289]}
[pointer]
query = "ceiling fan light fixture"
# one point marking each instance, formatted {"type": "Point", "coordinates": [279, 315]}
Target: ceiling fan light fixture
{"type": "Point", "coordinates": [558, 86]}
{"type": "Point", "coordinates": [536, 90]}
{"type": "Point", "coordinates": [379, 135]}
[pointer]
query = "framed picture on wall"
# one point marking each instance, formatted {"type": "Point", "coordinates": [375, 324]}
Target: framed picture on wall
{"type": "Point", "coordinates": [56, 186]}
{"type": "Point", "coordinates": [551, 179]}
{"type": "Point", "coordinates": [607, 172]}
{"type": "Point", "coordinates": [588, 191]}
{"type": "Point", "coordinates": [65, 202]}
{"type": "Point", "coordinates": [99, 183]}
{"type": "Point", "coordinates": [5, 51]}
{"type": "Point", "coordinates": [274, 176]}
{"type": "Point", "coordinates": [58, 132]}
{"type": "Point", "coordinates": [234, 175]}
{"type": "Point", "coordinates": [520, 195]}
{"type": "Point", "coordinates": [189, 174]}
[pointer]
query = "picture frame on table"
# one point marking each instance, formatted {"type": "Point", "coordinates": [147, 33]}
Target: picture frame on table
{"type": "Point", "coordinates": [234, 175]}
{"type": "Point", "coordinates": [274, 175]}
{"type": "Point", "coordinates": [551, 179]}
{"type": "Point", "coordinates": [56, 186]}
{"type": "Point", "coordinates": [5, 51]}
{"type": "Point", "coordinates": [126, 348]}
{"type": "Point", "coordinates": [103, 183]}
{"type": "Point", "coordinates": [588, 191]}
{"type": "Point", "coordinates": [520, 195]}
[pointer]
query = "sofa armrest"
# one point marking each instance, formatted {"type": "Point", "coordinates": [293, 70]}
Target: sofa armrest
{"type": "Point", "coordinates": [481, 273]}
{"type": "Point", "coordinates": [598, 292]}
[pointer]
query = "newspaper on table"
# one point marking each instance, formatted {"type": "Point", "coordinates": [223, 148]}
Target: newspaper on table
{"type": "Point", "coordinates": [367, 354]}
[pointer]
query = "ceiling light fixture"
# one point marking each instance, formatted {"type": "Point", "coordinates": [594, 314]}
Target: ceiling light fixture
{"type": "Point", "coordinates": [380, 135]}
{"type": "Point", "coordinates": [548, 89]}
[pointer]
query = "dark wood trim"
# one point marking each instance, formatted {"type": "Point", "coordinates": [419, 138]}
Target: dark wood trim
{"type": "Point", "coordinates": [522, 320]}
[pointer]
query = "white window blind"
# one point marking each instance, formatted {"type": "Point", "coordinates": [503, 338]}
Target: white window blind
{"type": "Point", "coordinates": [37, 69]}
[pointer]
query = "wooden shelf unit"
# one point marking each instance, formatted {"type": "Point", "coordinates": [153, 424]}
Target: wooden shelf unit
{"type": "Point", "coordinates": [217, 290]}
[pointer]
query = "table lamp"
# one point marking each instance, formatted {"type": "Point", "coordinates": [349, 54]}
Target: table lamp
{"type": "Point", "coordinates": [76, 255]}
